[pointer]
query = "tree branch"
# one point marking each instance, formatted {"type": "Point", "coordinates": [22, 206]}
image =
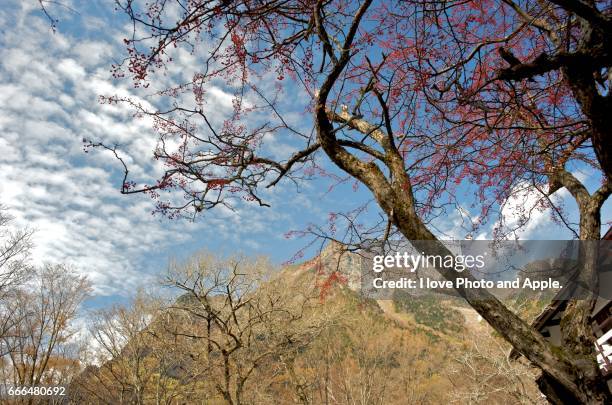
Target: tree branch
{"type": "Point", "coordinates": [585, 11]}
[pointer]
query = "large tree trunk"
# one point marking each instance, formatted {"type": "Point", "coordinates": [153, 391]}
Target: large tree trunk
{"type": "Point", "coordinates": [565, 373]}
{"type": "Point", "coordinates": [595, 106]}
{"type": "Point", "coordinates": [570, 376]}
{"type": "Point", "coordinates": [555, 394]}
{"type": "Point", "coordinates": [597, 109]}
{"type": "Point", "coordinates": [576, 331]}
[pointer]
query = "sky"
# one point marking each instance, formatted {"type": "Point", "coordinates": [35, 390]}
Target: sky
{"type": "Point", "coordinates": [50, 83]}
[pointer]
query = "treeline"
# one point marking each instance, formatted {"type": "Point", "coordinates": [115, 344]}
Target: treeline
{"type": "Point", "coordinates": [241, 332]}
{"type": "Point", "coordinates": [238, 331]}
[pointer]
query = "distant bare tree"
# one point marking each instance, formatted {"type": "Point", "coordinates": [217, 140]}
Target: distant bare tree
{"type": "Point", "coordinates": [138, 361]}
{"type": "Point", "coordinates": [235, 326]}
{"type": "Point", "coordinates": [246, 319]}
{"type": "Point", "coordinates": [484, 373]}
{"type": "Point", "coordinates": [15, 246]}
{"type": "Point", "coordinates": [40, 345]}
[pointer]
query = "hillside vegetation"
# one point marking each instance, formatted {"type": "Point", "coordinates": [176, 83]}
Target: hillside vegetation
{"type": "Point", "coordinates": [243, 334]}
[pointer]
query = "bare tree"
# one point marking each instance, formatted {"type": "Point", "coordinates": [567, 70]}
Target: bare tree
{"type": "Point", "coordinates": [244, 319]}
{"type": "Point", "coordinates": [136, 359]}
{"type": "Point", "coordinates": [41, 343]}
{"type": "Point", "coordinates": [15, 246]}
{"type": "Point", "coordinates": [482, 372]}
{"type": "Point", "coordinates": [235, 324]}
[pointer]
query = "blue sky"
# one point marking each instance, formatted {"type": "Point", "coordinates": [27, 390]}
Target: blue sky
{"type": "Point", "coordinates": [49, 88]}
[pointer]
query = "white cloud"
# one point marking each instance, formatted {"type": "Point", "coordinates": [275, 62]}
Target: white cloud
{"type": "Point", "coordinates": [523, 215]}
{"type": "Point", "coordinates": [49, 95]}
{"type": "Point", "coordinates": [71, 69]}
